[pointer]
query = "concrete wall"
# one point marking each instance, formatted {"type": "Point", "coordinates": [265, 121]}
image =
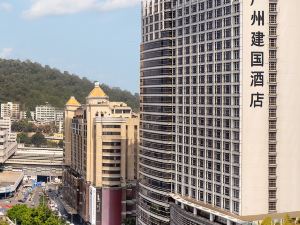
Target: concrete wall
{"type": "Point", "coordinates": [254, 121]}
{"type": "Point", "coordinates": [111, 206]}
{"type": "Point", "coordinates": [288, 170]}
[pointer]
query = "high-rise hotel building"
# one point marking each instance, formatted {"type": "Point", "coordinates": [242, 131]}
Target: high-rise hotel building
{"type": "Point", "coordinates": [220, 111]}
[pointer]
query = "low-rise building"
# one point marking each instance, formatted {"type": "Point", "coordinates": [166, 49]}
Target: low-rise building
{"type": "Point", "coordinates": [39, 163]}
{"type": "Point", "coordinates": [23, 115]}
{"type": "Point", "coordinates": [7, 147]}
{"type": "Point", "coordinates": [9, 182]}
{"type": "Point", "coordinates": [47, 114]}
{"type": "Point", "coordinates": [5, 124]}
{"type": "Point", "coordinates": [59, 115]}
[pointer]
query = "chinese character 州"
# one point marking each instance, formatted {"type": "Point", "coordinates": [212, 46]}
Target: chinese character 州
{"type": "Point", "coordinates": [257, 58]}
{"type": "Point", "coordinates": [258, 39]}
{"type": "Point", "coordinates": [257, 100]}
{"type": "Point", "coordinates": [258, 17]}
{"type": "Point", "coordinates": [257, 79]}
{"type": "Point", "coordinates": [252, 2]}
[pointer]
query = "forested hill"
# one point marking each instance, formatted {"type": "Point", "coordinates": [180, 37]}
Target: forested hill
{"type": "Point", "coordinates": [32, 84]}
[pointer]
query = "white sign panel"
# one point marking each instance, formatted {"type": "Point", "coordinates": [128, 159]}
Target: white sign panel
{"type": "Point", "coordinates": [92, 205]}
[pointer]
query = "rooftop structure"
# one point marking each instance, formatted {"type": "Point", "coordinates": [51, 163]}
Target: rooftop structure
{"type": "Point", "coordinates": [9, 181]}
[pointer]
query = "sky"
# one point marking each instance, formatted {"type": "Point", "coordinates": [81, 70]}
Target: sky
{"type": "Point", "coordinates": [97, 39]}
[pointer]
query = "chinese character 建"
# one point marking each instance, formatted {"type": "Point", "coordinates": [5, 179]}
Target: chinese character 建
{"type": "Point", "coordinates": [258, 39]}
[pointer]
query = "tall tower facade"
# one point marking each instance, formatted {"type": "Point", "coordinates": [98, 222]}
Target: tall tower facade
{"type": "Point", "coordinates": [157, 137]}
{"type": "Point", "coordinates": [100, 180]}
{"type": "Point", "coordinates": [215, 111]}
{"type": "Point", "coordinates": [70, 108]}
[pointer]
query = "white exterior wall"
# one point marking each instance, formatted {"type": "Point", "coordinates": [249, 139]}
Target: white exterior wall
{"type": "Point", "coordinates": [288, 163]}
{"type": "Point", "coordinates": [254, 121]}
{"type": "Point", "coordinates": [45, 113]}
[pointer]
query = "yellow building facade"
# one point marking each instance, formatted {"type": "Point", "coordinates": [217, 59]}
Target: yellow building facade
{"type": "Point", "coordinates": [101, 144]}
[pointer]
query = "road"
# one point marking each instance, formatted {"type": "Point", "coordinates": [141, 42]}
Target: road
{"type": "Point", "coordinates": [32, 200]}
{"type": "Point", "coordinates": [52, 192]}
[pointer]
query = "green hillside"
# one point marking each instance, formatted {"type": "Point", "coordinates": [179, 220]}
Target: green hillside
{"type": "Point", "coordinates": [32, 84]}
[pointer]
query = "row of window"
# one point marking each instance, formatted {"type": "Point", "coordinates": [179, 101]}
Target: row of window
{"type": "Point", "coordinates": [208, 186]}
{"type": "Point", "coordinates": [208, 198]}
{"type": "Point", "coordinates": [202, 163]}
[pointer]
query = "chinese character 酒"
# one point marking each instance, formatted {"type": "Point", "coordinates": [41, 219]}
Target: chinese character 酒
{"type": "Point", "coordinates": [257, 79]}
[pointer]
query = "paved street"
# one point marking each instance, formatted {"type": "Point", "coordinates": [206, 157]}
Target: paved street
{"type": "Point", "coordinates": [24, 195]}
{"type": "Point", "coordinates": [52, 192]}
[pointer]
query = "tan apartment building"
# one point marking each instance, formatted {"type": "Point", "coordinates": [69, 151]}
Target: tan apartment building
{"type": "Point", "coordinates": [101, 141]}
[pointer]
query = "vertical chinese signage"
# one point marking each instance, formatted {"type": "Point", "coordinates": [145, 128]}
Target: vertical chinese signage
{"type": "Point", "coordinates": [258, 57]}
{"type": "Point", "coordinates": [255, 105]}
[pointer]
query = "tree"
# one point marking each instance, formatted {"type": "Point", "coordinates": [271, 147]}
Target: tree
{"type": "Point", "coordinates": [267, 221]}
{"type": "Point", "coordinates": [2, 222]}
{"type": "Point", "coordinates": [287, 220]}
{"type": "Point", "coordinates": [61, 144]}
{"type": "Point", "coordinates": [23, 126]}
{"type": "Point", "coordinates": [38, 139]}
{"type": "Point", "coordinates": [129, 221]}
{"type": "Point", "coordinates": [33, 216]}
{"type": "Point", "coordinates": [28, 115]}
{"type": "Point", "coordinates": [25, 82]}
{"type": "Point", "coordinates": [23, 138]}
{"type": "Point", "coordinates": [20, 213]}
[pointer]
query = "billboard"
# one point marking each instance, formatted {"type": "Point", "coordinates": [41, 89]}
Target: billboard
{"type": "Point", "coordinates": [92, 205]}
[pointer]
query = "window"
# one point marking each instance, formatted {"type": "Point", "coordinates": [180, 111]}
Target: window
{"type": "Point", "coordinates": [111, 126]}
{"type": "Point", "coordinates": [236, 206]}
{"type": "Point", "coordinates": [272, 206]}
{"type": "Point", "coordinates": [272, 183]}
{"type": "Point", "coordinates": [273, 7]}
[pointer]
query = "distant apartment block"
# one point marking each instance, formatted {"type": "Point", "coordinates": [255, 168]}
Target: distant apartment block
{"type": "Point", "coordinates": [47, 113]}
{"type": "Point", "coordinates": [59, 115]}
{"type": "Point", "coordinates": [23, 115]}
{"type": "Point", "coordinates": [101, 141]}
{"type": "Point", "coordinates": [27, 115]}
{"type": "Point", "coordinates": [8, 144]}
{"type": "Point", "coordinates": [7, 148]}
{"type": "Point", "coordinates": [5, 124]}
{"type": "Point", "coordinates": [11, 110]}
{"type": "Point", "coordinates": [32, 115]}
